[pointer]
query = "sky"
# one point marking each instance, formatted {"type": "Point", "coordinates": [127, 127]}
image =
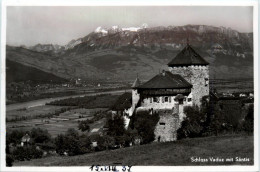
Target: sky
{"type": "Point", "coordinates": [30, 25]}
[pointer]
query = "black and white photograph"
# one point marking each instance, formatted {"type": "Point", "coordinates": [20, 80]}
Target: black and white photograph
{"type": "Point", "coordinates": [116, 87]}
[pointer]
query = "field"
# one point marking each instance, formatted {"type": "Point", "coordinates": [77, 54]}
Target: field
{"type": "Point", "coordinates": [58, 118]}
{"type": "Point", "coordinates": [32, 112]}
{"type": "Point", "coordinates": [58, 124]}
{"type": "Point", "coordinates": [168, 154]}
{"type": "Point", "coordinates": [232, 85]}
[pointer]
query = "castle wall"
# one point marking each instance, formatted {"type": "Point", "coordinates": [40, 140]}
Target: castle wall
{"type": "Point", "coordinates": [166, 128]}
{"type": "Point", "coordinates": [198, 76]}
{"type": "Point", "coordinates": [135, 98]}
{"type": "Point", "coordinates": [148, 103]}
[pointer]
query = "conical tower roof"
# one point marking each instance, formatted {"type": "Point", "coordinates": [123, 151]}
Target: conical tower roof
{"type": "Point", "coordinates": [137, 83]}
{"type": "Point", "coordinates": [188, 56]}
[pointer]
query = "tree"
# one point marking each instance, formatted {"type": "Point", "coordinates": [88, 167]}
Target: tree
{"type": "Point", "coordinates": [72, 143]}
{"type": "Point", "coordinates": [83, 125]}
{"type": "Point", "coordinates": [27, 153]}
{"type": "Point", "coordinates": [40, 136]}
{"type": "Point", "coordinates": [145, 124]}
{"type": "Point", "coordinates": [85, 143]}
{"type": "Point", "coordinates": [60, 144]}
{"type": "Point", "coordinates": [9, 161]}
{"type": "Point", "coordinates": [14, 137]}
{"type": "Point", "coordinates": [249, 120]}
{"type": "Point", "coordinates": [116, 126]}
{"type": "Point", "coordinates": [216, 121]}
{"type": "Point", "coordinates": [192, 125]}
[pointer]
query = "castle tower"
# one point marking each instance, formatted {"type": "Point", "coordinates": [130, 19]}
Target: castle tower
{"type": "Point", "coordinates": [192, 67]}
{"type": "Point", "coordinates": [135, 94]}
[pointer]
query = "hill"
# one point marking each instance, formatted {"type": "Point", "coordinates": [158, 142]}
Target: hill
{"type": "Point", "coordinates": [120, 53]}
{"type": "Point", "coordinates": [17, 72]}
{"type": "Point", "coordinates": [168, 154]}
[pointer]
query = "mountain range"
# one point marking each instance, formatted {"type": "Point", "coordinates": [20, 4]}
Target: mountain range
{"type": "Point", "coordinates": [121, 53]}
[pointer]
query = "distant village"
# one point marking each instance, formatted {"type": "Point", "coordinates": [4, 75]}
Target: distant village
{"type": "Point", "coordinates": [28, 90]}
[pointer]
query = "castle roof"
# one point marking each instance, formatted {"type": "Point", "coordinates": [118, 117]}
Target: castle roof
{"type": "Point", "coordinates": [123, 102]}
{"type": "Point", "coordinates": [188, 56]}
{"type": "Point", "coordinates": [166, 80]}
{"type": "Point", "coordinates": [136, 83]}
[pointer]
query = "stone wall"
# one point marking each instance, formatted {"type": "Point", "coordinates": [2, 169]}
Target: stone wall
{"type": "Point", "coordinates": [166, 128]}
{"type": "Point", "coordinates": [198, 76]}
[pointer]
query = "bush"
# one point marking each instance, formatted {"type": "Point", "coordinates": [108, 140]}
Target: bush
{"type": "Point", "coordinates": [27, 153]}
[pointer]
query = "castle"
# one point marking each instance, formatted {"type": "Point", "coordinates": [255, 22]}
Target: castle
{"type": "Point", "coordinates": [167, 93]}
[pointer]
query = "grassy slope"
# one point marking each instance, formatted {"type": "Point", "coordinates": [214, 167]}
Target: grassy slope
{"type": "Point", "coordinates": [171, 153]}
{"type": "Point", "coordinates": [17, 72]}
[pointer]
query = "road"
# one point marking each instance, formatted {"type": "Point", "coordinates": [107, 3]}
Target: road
{"type": "Point", "coordinates": [42, 102]}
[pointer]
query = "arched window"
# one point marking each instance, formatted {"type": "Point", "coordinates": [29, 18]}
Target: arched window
{"type": "Point", "coordinates": [166, 99]}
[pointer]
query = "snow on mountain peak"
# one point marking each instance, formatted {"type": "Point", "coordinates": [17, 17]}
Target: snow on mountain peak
{"type": "Point", "coordinates": [144, 26]}
{"type": "Point", "coordinates": [100, 30]}
{"type": "Point", "coordinates": [115, 27]}
{"type": "Point", "coordinates": [132, 29]}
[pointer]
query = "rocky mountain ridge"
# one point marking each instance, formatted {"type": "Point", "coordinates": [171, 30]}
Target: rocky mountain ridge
{"type": "Point", "coordinates": [121, 53]}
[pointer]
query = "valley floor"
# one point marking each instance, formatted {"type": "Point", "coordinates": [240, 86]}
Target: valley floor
{"type": "Point", "coordinates": [179, 153]}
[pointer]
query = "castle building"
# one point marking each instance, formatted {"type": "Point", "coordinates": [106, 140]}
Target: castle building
{"type": "Point", "coordinates": [167, 93]}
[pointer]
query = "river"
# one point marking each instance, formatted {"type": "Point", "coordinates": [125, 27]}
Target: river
{"type": "Point", "coordinates": [42, 102]}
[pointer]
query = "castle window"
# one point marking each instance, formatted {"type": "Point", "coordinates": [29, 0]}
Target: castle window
{"type": "Point", "coordinates": [166, 99]}
{"type": "Point", "coordinates": [206, 81]}
{"type": "Point", "coordinates": [156, 99]}
{"type": "Point", "coordinates": [162, 123]}
{"type": "Point", "coordinates": [170, 99]}
{"type": "Point", "coordinates": [189, 99]}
